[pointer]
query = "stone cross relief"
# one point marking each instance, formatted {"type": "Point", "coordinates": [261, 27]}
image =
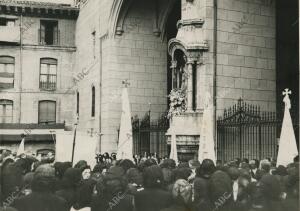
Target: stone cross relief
{"type": "Point", "coordinates": [126, 83]}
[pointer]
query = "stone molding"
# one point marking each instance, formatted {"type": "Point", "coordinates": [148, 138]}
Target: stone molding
{"type": "Point", "coordinates": [198, 23]}
{"type": "Point", "coordinates": [191, 140]}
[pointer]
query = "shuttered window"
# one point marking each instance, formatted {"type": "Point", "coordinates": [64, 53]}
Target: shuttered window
{"type": "Point", "coordinates": [47, 112]}
{"type": "Point", "coordinates": [6, 111]}
{"type": "Point", "coordinates": [7, 69]}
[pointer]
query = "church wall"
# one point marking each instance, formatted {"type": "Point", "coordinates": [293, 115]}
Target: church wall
{"type": "Point", "coordinates": [137, 55]}
{"type": "Point", "coordinates": [140, 57]}
{"type": "Point", "coordinates": [89, 29]}
{"type": "Point", "coordinates": [245, 52]}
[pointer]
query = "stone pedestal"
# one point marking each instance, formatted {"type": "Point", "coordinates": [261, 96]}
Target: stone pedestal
{"type": "Point", "coordinates": [186, 128]}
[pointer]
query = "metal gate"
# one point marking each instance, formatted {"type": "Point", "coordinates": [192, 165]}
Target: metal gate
{"type": "Point", "coordinates": [246, 132]}
{"type": "Point", "coordinates": [149, 136]}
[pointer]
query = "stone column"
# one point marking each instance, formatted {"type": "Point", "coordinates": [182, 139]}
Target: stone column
{"type": "Point", "coordinates": [189, 90]}
{"type": "Point", "coordinates": [173, 69]}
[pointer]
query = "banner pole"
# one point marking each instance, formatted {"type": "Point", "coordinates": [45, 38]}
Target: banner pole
{"type": "Point", "coordinates": [74, 139]}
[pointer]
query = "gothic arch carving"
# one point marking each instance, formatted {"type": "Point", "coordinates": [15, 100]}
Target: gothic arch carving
{"type": "Point", "coordinates": [163, 17]}
{"type": "Point", "coordinates": [175, 44]}
{"type": "Point", "coordinates": [117, 16]}
{"type": "Point", "coordinates": [119, 12]}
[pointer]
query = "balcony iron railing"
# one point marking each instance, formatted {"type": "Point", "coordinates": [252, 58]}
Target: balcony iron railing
{"type": "Point", "coordinates": [48, 84]}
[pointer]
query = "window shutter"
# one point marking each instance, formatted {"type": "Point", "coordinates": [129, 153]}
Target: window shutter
{"type": "Point", "coordinates": [51, 114]}
{"type": "Point", "coordinates": [47, 112]}
{"type": "Point", "coordinates": [55, 35]}
{"type": "Point", "coordinates": [7, 60]}
{"type": "Point", "coordinates": [6, 111]}
{"type": "Point", "coordinates": [42, 34]}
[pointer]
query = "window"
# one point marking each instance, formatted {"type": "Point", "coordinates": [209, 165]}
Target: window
{"type": "Point", "coordinates": [2, 21]}
{"type": "Point", "coordinates": [77, 104]}
{"type": "Point", "coordinates": [47, 112]}
{"type": "Point", "coordinates": [7, 22]}
{"type": "Point", "coordinates": [6, 111]}
{"type": "Point", "coordinates": [178, 70]}
{"type": "Point", "coordinates": [48, 71]}
{"type": "Point", "coordinates": [7, 69]}
{"type": "Point", "coordinates": [93, 102]}
{"type": "Point", "coordinates": [49, 33]}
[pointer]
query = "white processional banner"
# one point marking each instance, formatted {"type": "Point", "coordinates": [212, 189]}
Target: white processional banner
{"type": "Point", "coordinates": [287, 144]}
{"type": "Point", "coordinates": [125, 144]}
{"type": "Point", "coordinates": [206, 142]}
{"type": "Point", "coordinates": [85, 147]}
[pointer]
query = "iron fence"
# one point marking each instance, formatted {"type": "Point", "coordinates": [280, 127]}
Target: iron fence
{"type": "Point", "coordinates": [149, 135]}
{"type": "Point", "coordinates": [246, 132]}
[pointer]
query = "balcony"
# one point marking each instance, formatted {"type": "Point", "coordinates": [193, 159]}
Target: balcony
{"type": "Point", "coordinates": [48, 83]}
{"type": "Point", "coordinates": [10, 34]}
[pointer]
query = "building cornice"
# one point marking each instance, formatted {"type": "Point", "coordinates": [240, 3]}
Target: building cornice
{"type": "Point", "coordinates": [35, 9]}
{"type": "Point", "coordinates": [41, 47]}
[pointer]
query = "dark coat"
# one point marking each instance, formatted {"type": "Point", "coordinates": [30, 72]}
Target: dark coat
{"type": "Point", "coordinates": [40, 202]}
{"type": "Point", "coordinates": [123, 203]}
{"type": "Point", "coordinates": [176, 207]}
{"type": "Point", "coordinates": [152, 199]}
{"type": "Point", "coordinates": [201, 197]}
{"type": "Point", "coordinates": [179, 205]}
{"type": "Point", "coordinates": [69, 195]}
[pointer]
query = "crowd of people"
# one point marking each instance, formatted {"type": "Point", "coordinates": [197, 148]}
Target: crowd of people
{"type": "Point", "coordinates": [147, 184]}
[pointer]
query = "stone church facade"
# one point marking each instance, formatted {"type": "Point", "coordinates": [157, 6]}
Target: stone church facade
{"type": "Point", "coordinates": [227, 50]}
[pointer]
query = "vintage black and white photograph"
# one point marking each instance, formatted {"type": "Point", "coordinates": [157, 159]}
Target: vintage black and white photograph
{"type": "Point", "coordinates": [149, 105]}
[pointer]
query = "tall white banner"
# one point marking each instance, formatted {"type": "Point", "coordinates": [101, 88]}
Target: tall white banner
{"type": "Point", "coordinates": [125, 144]}
{"type": "Point", "coordinates": [206, 141]}
{"type": "Point", "coordinates": [85, 147]}
{"type": "Point", "coordinates": [287, 144]}
{"type": "Point", "coordinates": [173, 153]}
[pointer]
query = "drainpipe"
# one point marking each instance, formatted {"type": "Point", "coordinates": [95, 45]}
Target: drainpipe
{"type": "Point", "coordinates": [21, 68]}
{"type": "Point", "coordinates": [100, 97]}
{"type": "Point", "coordinates": [215, 70]}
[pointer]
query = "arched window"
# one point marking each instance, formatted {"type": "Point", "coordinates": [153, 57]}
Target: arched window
{"type": "Point", "coordinates": [7, 69]}
{"type": "Point", "coordinates": [178, 72]}
{"type": "Point", "coordinates": [93, 102]}
{"type": "Point", "coordinates": [77, 103]}
{"type": "Point", "coordinates": [48, 72]}
{"type": "Point", "coordinates": [47, 112]}
{"type": "Point", "coordinates": [6, 111]}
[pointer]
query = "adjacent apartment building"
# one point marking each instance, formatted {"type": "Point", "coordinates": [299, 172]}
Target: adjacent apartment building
{"type": "Point", "coordinates": [37, 50]}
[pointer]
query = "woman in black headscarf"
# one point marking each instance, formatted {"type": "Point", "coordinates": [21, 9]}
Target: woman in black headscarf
{"type": "Point", "coordinates": [112, 195]}
{"type": "Point", "coordinates": [153, 197]}
{"type": "Point", "coordinates": [70, 183]}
